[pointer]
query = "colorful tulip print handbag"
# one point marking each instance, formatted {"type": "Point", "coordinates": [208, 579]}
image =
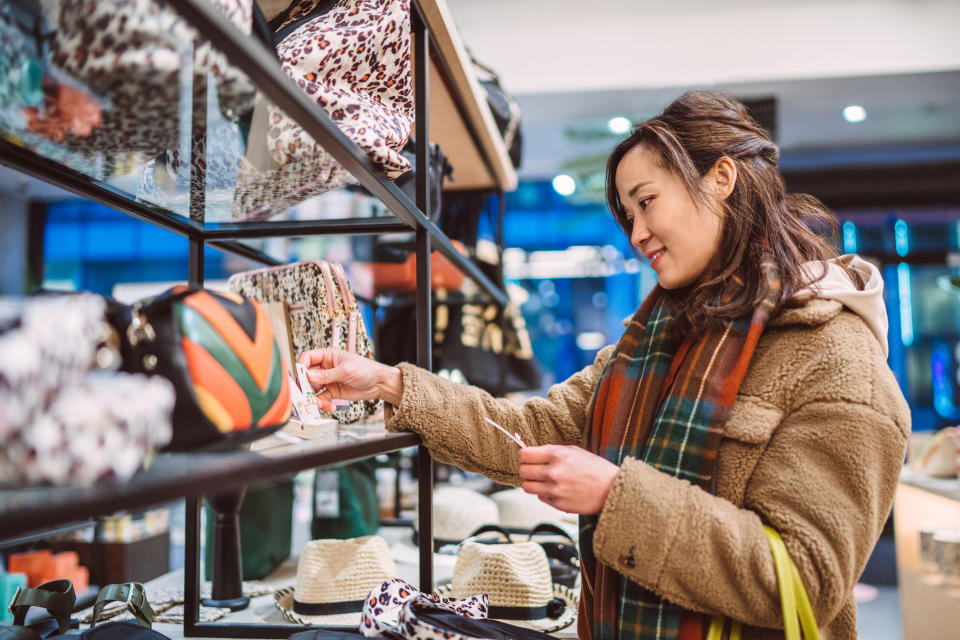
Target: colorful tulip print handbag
{"type": "Point", "coordinates": [218, 350]}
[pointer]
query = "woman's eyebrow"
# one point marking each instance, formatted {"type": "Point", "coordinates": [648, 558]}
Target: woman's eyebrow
{"type": "Point", "coordinates": [636, 187]}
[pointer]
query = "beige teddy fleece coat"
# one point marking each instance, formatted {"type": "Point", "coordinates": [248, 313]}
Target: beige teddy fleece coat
{"type": "Point", "coordinates": [813, 447]}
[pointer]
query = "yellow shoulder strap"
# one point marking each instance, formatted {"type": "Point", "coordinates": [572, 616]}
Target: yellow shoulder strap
{"type": "Point", "coordinates": [793, 598]}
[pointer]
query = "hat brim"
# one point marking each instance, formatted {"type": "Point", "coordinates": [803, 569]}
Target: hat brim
{"type": "Point", "coordinates": [283, 598]}
{"type": "Point", "coordinates": [546, 625]}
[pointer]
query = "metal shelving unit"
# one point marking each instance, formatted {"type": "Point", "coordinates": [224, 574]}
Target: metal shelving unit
{"type": "Point", "coordinates": [437, 54]}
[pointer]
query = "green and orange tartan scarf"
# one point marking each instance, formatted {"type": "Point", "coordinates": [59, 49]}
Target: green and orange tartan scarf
{"type": "Point", "coordinates": [663, 400]}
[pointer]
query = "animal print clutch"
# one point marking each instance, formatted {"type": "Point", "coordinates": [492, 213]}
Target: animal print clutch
{"type": "Point", "coordinates": [323, 313]}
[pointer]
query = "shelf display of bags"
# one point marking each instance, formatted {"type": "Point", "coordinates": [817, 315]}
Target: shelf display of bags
{"type": "Point", "coordinates": [65, 416]}
{"type": "Point", "coordinates": [219, 352]}
{"type": "Point", "coordinates": [353, 60]}
{"type": "Point", "coordinates": [132, 53]}
{"type": "Point", "coordinates": [323, 313]}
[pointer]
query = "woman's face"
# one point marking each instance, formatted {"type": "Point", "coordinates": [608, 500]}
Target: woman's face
{"type": "Point", "coordinates": [677, 234]}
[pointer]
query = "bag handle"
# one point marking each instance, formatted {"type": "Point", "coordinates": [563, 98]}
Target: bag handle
{"type": "Point", "coordinates": [56, 596]}
{"type": "Point", "coordinates": [346, 293]}
{"type": "Point", "coordinates": [349, 304]}
{"type": "Point", "coordinates": [328, 285]}
{"type": "Point", "coordinates": [549, 528]}
{"type": "Point", "coordinates": [130, 592]}
{"type": "Point", "coordinates": [793, 598]}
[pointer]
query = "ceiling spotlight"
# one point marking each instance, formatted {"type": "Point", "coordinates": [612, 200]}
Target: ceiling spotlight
{"type": "Point", "coordinates": [619, 125]}
{"type": "Point", "coordinates": [564, 185]}
{"type": "Point", "coordinates": [854, 113]}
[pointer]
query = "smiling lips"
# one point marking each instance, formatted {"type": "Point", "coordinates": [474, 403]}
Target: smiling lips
{"type": "Point", "coordinates": [655, 256]}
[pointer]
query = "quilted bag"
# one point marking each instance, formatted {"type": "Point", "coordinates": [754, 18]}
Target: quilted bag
{"type": "Point", "coordinates": [66, 417]}
{"type": "Point", "coordinates": [218, 351]}
{"type": "Point", "coordinates": [131, 53]}
{"type": "Point", "coordinates": [323, 313]}
{"type": "Point", "coordinates": [353, 60]}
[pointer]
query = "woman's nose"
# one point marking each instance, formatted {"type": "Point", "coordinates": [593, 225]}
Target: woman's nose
{"type": "Point", "coordinates": [639, 233]}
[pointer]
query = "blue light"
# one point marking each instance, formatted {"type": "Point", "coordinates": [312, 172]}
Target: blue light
{"type": "Point", "coordinates": [906, 306]}
{"type": "Point", "coordinates": [900, 238]}
{"type": "Point", "coordinates": [943, 401]}
{"type": "Point", "coordinates": [849, 237]}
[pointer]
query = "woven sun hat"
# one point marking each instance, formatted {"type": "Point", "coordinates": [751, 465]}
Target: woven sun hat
{"type": "Point", "coordinates": [457, 513]}
{"type": "Point", "coordinates": [520, 511]}
{"type": "Point", "coordinates": [334, 578]}
{"type": "Point", "coordinates": [516, 577]}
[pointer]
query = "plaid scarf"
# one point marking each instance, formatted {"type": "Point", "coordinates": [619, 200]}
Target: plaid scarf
{"type": "Point", "coordinates": [663, 400]}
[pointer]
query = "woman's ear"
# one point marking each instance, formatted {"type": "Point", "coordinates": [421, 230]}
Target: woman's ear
{"type": "Point", "coordinates": [724, 177]}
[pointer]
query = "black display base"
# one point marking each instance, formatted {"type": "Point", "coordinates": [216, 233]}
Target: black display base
{"type": "Point", "coordinates": [234, 604]}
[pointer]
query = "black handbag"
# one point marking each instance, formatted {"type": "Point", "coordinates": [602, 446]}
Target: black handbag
{"type": "Point", "coordinates": [505, 110]}
{"type": "Point", "coordinates": [397, 247]}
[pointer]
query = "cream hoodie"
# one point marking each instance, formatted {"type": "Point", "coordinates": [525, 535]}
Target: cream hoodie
{"type": "Point", "coordinates": [835, 285]}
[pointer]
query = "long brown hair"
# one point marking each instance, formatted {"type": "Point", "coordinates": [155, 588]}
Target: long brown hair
{"type": "Point", "coordinates": [758, 218]}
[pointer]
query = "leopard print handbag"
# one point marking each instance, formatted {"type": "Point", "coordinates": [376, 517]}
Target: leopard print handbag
{"type": "Point", "coordinates": [132, 53]}
{"type": "Point", "coordinates": [323, 313]}
{"type": "Point", "coordinates": [354, 62]}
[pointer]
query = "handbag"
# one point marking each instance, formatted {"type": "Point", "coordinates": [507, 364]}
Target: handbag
{"type": "Point", "coordinates": [505, 111]}
{"type": "Point", "coordinates": [218, 351]}
{"type": "Point", "coordinates": [793, 598]}
{"type": "Point", "coordinates": [131, 52]}
{"type": "Point", "coordinates": [482, 343]}
{"type": "Point", "coordinates": [68, 418]}
{"type": "Point", "coordinates": [353, 60]}
{"type": "Point", "coordinates": [323, 313]}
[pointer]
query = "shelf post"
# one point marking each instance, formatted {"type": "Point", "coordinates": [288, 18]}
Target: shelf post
{"type": "Point", "coordinates": [424, 314]}
{"type": "Point", "coordinates": [198, 176]}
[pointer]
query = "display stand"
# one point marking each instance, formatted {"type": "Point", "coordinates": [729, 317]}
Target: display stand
{"type": "Point", "coordinates": [465, 129]}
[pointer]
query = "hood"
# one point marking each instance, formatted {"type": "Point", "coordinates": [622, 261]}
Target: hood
{"type": "Point", "coordinates": [835, 285]}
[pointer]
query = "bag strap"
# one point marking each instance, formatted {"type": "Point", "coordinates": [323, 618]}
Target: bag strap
{"type": "Point", "coordinates": [56, 596]}
{"type": "Point", "coordinates": [490, 528]}
{"type": "Point", "coordinates": [328, 285]}
{"type": "Point", "coordinates": [793, 598]}
{"type": "Point", "coordinates": [281, 32]}
{"type": "Point", "coordinates": [346, 293]}
{"type": "Point", "coordinates": [130, 592]}
{"type": "Point", "coordinates": [787, 573]}
{"type": "Point", "coordinates": [552, 529]}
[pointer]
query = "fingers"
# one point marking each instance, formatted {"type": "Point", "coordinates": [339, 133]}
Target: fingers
{"type": "Point", "coordinates": [539, 489]}
{"type": "Point", "coordinates": [537, 455]}
{"type": "Point", "coordinates": [535, 472]}
{"type": "Point", "coordinates": [316, 357]}
{"type": "Point", "coordinates": [320, 378]}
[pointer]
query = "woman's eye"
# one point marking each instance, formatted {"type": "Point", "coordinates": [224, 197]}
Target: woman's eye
{"type": "Point", "coordinates": [644, 203]}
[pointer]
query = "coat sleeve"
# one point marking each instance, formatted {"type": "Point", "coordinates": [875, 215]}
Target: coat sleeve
{"type": "Point", "coordinates": [450, 418]}
{"type": "Point", "coordinates": [825, 481]}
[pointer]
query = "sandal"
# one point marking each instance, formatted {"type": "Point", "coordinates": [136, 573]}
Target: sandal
{"type": "Point", "coordinates": [56, 596]}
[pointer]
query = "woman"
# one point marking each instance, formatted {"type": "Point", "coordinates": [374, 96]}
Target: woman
{"type": "Point", "coordinates": [750, 388]}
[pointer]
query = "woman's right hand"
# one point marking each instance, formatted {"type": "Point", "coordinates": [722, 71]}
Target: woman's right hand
{"type": "Point", "coordinates": [336, 374]}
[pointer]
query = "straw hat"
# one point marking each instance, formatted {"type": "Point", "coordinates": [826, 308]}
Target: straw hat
{"type": "Point", "coordinates": [458, 512]}
{"type": "Point", "coordinates": [516, 577]}
{"type": "Point", "coordinates": [334, 578]}
{"type": "Point", "coordinates": [522, 511]}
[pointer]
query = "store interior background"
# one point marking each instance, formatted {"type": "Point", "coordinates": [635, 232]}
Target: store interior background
{"type": "Point", "coordinates": [578, 70]}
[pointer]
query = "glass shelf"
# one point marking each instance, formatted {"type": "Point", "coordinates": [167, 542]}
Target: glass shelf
{"type": "Point", "coordinates": [174, 475]}
{"type": "Point", "coordinates": [198, 146]}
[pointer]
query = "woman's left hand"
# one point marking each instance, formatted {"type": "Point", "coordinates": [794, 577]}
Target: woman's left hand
{"type": "Point", "coordinates": [566, 477]}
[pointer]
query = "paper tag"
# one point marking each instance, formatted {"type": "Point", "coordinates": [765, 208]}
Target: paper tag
{"type": "Point", "coordinates": [308, 404]}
